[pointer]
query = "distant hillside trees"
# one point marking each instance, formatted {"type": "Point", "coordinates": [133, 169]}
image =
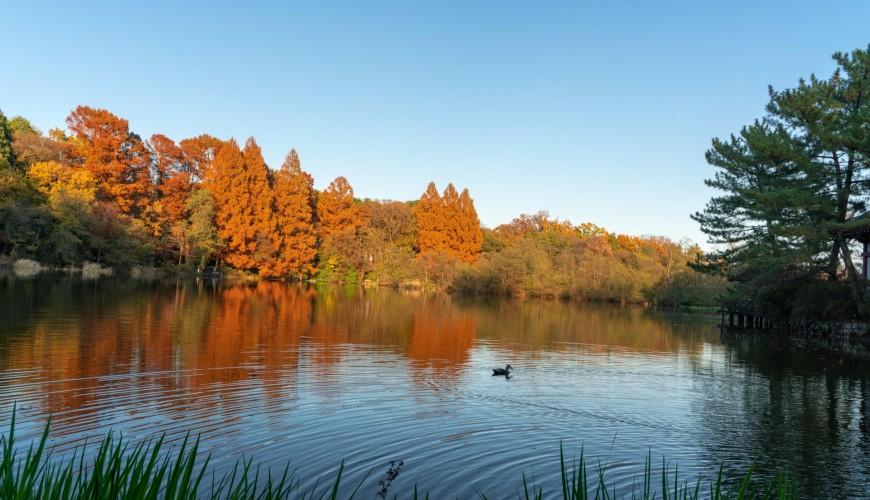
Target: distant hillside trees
{"type": "Point", "coordinates": [98, 192]}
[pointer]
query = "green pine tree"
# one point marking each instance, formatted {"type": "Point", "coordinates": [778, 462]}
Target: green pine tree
{"type": "Point", "coordinates": [793, 182]}
{"type": "Point", "coordinates": [7, 155]}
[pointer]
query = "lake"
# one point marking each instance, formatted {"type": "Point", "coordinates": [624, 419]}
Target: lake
{"type": "Point", "coordinates": [283, 372]}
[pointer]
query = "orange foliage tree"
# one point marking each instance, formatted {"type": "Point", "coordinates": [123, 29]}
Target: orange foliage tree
{"type": "Point", "coordinates": [199, 152]}
{"type": "Point", "coordinates": [116, 158]}
{"type": "Point", "coordinates": [430, 213]}
{"type": "Point", "coordinates": [470, 236]}
{"type": "Point", "coordinates": [296, 241]}
{"type": "Point", "coordinates": [336, 212]}
{"type": "Point", "coordinates": [165, 216]}
{"type": "Point", "coordinates": [448, 223]}
{"type": "Point", "coordinates": [172, 175]}
{"type": "Point", "coordinates": [239, 182]}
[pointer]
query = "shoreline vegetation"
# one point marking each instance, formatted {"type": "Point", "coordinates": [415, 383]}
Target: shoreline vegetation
{"type": "Point", "coordinates": [89, 271]}
{"type": "Point", "coordinates": [97, 194]}
{"type": "Point", "coordinates": [152, 469]}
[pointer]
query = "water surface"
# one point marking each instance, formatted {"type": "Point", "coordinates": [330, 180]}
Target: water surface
{"type": "Point", "coordinates": [280, 372]}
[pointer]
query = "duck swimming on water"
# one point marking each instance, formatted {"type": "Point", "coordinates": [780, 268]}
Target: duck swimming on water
{"type": "Point", "coordinates": [506, 371]}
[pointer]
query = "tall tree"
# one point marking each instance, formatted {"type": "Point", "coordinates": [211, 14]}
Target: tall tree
{"type": "Point", "coordinates": [259, 185]}
{"type": "Point", "coordinates": [448, 224]}
{"type": "Point", "coordinates": [795, 181]}
{"type": "Point", "coordinates": [116, 157]}
{"type": "Point", "coordinates": [200, 231]}
{"type": "Point", "coordinates": [470, 234]}
{"type": "Point", "coordinates": [295, 235]}
{"type": "Point", "coordinates": [7, 156]}
{"type": "Point", "coordinates": [199, 151]}
{"type": "Point", "coordinates": [171, 174]}
{"type": "Point", "coordinates": [239, 190]}
{"type": "Point", "coordinates": [451, 222]}
{"type": "Point", "coordinates": [431, 215]}
{"type": "Point", "coordinates": [165, 216]}
{"type": "Point", "coordinates": [336, 212]}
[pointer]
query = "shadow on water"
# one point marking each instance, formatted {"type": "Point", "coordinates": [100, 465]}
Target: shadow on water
{"type": "Point", "coordinates": [374, 376]}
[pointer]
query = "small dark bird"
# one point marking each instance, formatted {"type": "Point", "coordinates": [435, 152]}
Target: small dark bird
{"type": "Point", "coordinates": [506, 371]}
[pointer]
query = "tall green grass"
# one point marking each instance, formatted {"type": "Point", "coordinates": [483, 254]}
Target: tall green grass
{"type": "Point", "coordinates": [152, 470]}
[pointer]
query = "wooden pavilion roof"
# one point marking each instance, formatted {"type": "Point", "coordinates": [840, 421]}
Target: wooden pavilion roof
{"type": "Point", "coordinates": [858, 228]}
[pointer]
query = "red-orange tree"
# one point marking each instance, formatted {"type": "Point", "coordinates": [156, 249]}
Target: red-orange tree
{"type": "Point", "coordinates": [295, 239]}
{"type": "Point", "coordinates": [199, 152]}
{"type": "Point", "coordinates": [116, 158]}
{"type": "Point", "coordinates": [470, 236]}
{"type": "Point", "coordinates": [239, 182]}
{"type": "Point", "coordinates": [336, 212]}
{"type": "Point", "coordinates": [448, 224]}
{"type": "Point", "coordinates": [430, 215]}
{"type": "Point", "coordinates": [259, 185]}
{"type": "Point", "coordinates": [172, 175]}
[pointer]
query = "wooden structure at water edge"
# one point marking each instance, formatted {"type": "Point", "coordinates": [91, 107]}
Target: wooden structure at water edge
{"type": "Point", "coordinates": [744, 317]}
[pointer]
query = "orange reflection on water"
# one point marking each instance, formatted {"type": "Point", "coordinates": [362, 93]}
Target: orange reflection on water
{"type": "Point", "coordinates": [85, 344]}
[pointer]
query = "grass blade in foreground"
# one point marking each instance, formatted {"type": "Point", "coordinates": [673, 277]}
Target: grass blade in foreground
{"type": "Point", "coordinates": [149, 470]}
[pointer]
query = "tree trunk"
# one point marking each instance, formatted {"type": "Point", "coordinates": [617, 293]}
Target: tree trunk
{"type": "Point", "coordinates": [855, 282]}
{"type": "Point", "coordinates": [834, 259]}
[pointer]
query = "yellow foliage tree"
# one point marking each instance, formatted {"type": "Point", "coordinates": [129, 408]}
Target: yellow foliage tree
{"type": "Point", "coordinates": [63, 183]}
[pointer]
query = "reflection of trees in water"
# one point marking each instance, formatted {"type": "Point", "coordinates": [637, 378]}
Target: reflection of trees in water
{"type": "Point", "coordinates": [799, 411]}
{"type": "Point", "coordinates": [181, 337]}
{"type": "Point", "coordinates": [547, 324]}
{"type": "Point", "coordinates": [428, 330]}
{"type": "Point", "coordinates": [441, 338]}
{"type": "Point", "coordinates": [185, 338]}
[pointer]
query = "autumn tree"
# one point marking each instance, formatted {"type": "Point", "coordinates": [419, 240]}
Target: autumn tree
{"type": "Point", "coordinates": [336, 211]}
{"type": "Point", "coordinates": [469, 236]}
{"type": "Point", "coordinates": [431, 225]}
{"type": "Point", "coordinates": [199, 151]}
{"type": "Point", "coordinates": [59, 182]}
{"type": "Point", "coordinates": [395, 221]}
{"type": "Point", "coordinates": [31, 146]}
{"type": "Point", "coordinates": [239, 182]}
{"type": "Point", "coordinates": [448, 223]}
{"type": "Point", "coordinates": [296, 240]}
{"type": "Point", "coordinates": [172, 183]}
{"type": "Point", "coordinates": [226, 182]}
{"type": "Point", "coordinates": [71, 193]}
{"type": "Point", "coordinates": [171, 174]}
{"type": "Point", "coordinates": [259, 183]}
{"type": "Point", "coordinates": [116, 157]}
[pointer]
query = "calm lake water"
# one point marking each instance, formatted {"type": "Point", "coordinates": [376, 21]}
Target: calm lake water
{"type": "Point", "coordinates": [315, 376]}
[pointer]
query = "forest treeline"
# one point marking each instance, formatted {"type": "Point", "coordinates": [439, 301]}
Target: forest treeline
{"type": "Point", "coordinates": [97, 192]}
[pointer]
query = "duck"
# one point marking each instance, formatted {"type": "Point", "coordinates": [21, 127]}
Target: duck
{"type": "Point", "coordinates": [506, 371]}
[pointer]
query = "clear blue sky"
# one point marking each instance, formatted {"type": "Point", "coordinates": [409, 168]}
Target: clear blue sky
{"type": "Point", "coordinates": [594, 111]}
